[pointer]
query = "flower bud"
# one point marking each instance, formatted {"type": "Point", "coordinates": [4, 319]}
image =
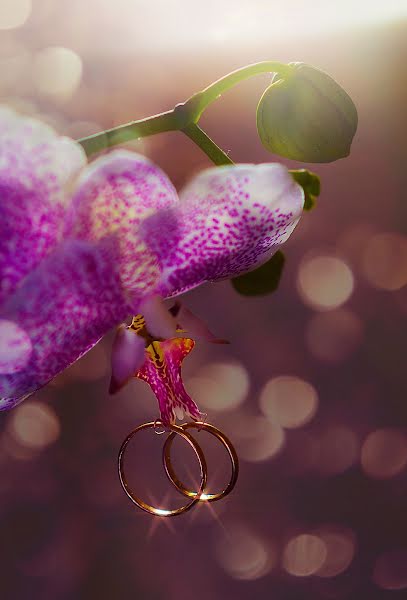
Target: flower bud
{"type": "Point", "coordinates": [306, 116]}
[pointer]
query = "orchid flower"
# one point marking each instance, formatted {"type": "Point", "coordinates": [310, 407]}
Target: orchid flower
{"type": "Point", "coordinates": [83, 246]}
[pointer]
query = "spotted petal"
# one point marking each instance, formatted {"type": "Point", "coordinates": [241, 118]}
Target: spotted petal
{"type": "Point", "coordinates": [229, 220]}
{"type": "Point", "coordinates": [63, 307]}
{"type": "Point", "coordinates": [114, 194]}
{"type": "Point", "coordinates": [15, 347]}
{"type": "Point", "coordinates": [35, 167]}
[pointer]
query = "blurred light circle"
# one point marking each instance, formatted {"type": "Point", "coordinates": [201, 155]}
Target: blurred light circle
{"type": "Point", "coordinates": [384, 453]}
{"type": "Point", "coordinates": [390, 571]}
{"type": "Point", "coordinates": [334, 335]}
{"type": "Point", "coordinates": [34, 425]}
{"type": "Point", "coordinates": [340, 550]}
{"type": "Point", "coordinates": [304, 555]}
{"type": "Point", "coordinates": [352, 242]}
{"type": "Point", "coordinates": [220, 386]}
{"type": "Point", "coordinates": [243, 555]}
{"type": "Point", "coordinates": [288, 401]}
{"type": "Point", "coordinates": [57, 71]}
{"type": "Point", "coordinates": [204, 391]}
{"type": "Point", "coordinates": [324, 282]}
{"type": "Point", "coordinates": [259, 439]}
{"type": "Point", "coordinates": [338, 450]}
{"type": "Point", "coordinates": [384, 261]}
{"type": "Point", "coordinates": [14, 13]}
{"type": "Point", "coordinates": [43, 11]}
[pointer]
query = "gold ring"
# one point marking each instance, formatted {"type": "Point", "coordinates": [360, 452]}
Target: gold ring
{"type": "Point", "coordinates": [152, 510]}
{"type": "Point", "coordinates": [224, 441]}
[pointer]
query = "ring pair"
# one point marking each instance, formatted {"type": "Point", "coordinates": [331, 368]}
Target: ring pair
{"type": "Point", "coordinates": [194, 496]}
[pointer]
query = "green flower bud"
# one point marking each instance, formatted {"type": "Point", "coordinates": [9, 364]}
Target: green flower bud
{"type": "Point", "coordinates": [306, 116]}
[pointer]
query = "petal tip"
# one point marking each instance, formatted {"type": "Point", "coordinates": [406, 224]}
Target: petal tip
{"type": "Point", "coordinates": [127, 356]}
{"type": "Point", "coordinates": [115, 385]}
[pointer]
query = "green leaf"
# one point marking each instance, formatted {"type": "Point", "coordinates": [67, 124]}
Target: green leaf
{"type": "Point", "coordinates": [263, 280]}
{"type": "Point", "coordinates": [311, 185]}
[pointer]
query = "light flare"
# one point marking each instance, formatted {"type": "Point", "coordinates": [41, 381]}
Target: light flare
{"type": "Point", "coordinates": [288, 401]}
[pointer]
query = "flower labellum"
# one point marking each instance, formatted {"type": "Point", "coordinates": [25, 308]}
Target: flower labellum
{"type": "Point", "coordinates": [306, 116]}
{"type": "Point", "coordinates": [160, 367]}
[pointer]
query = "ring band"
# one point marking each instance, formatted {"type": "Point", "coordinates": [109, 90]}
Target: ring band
{"type": "Point", "coordinates": [175, 430]}
{"type": "Point", "coordinates": [224, 441]}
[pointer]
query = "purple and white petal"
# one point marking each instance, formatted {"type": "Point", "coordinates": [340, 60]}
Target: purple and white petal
{"type": "Point", "coordinates": [113, 196]}
{"type": "Point", "coordinates": [15, 347]}
{"type": "Point", "coordinates": [159, 321]}
{"type": "Point", "coordinates": [192, 326]}
{"type": "Point", "coordinates": [36, 167]}
{"type": "Point", "coordinates": [127, 357]}
{"type": "Point", "coordinates": [64, 307]}
{"type": "Point", "coordinates": [229, 220]}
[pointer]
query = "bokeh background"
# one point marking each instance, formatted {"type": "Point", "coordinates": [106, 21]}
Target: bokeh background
{"type": "Point", "coordinates": [312, 388]}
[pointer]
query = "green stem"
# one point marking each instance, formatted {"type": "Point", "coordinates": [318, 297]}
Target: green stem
{"type": "Point", "coordinates": [183, 116]}
{"type": "Point", "coordinates": [216, 154]}
{"type": "Point", "coordinates": [166, 121]}
{"type": "Point", "coordinates": [200, 101]}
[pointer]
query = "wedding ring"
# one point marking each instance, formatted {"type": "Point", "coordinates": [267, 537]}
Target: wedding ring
{"type": "Point", "coordinates": [169, 469]}
{"type": "Point", "coordinates": [195, 496]}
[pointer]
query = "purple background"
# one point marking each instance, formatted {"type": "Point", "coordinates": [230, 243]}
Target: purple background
{"type": "Point", "coordinates": [67, 529]}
